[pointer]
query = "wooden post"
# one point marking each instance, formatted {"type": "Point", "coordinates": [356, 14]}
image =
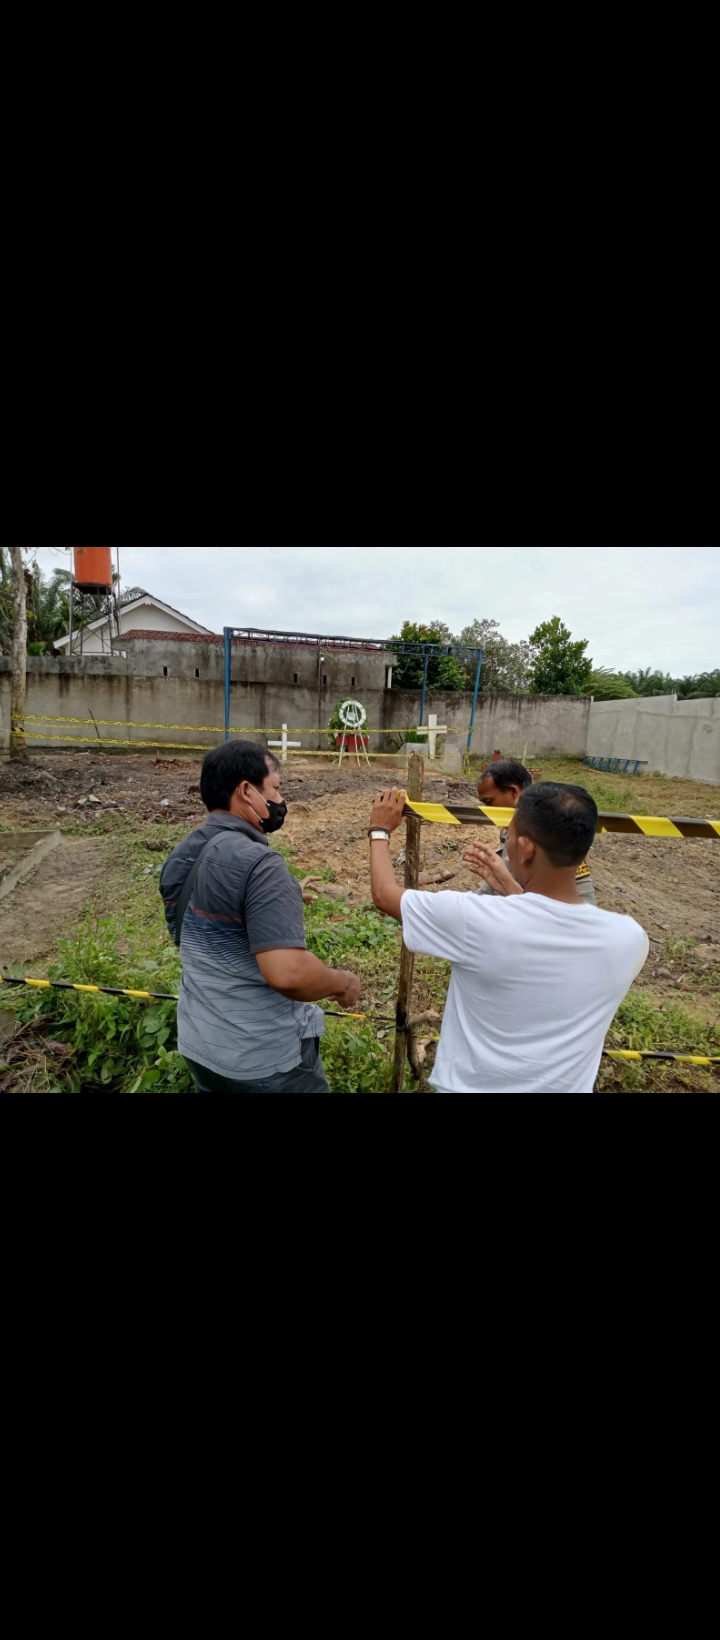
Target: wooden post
{"type": "Point", "coordinates": [407, 959]}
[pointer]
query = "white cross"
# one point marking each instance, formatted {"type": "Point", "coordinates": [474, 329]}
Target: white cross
{"type": "Point", "coordinates": [284, 743]}
{"type": "Point", "coordinates": [434, 728]}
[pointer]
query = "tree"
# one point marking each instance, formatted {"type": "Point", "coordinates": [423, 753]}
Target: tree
{"type": "Point", "coordinates": [650, 682]}
{"type": "Point", "coordinates": [702, 684]}
{"type": "Point", "coordinates": [18, 746]}
{"type": "Point", "coordinates": [505, 666]}
{"type": "Point", "coordinates": [605, 685]}
{"type": "Point", "coordinates": [559, 665]}
{"type": "Point", "coordinates": [696, 687]}
{"type": "Point", "coordinates": [444, 671]}
{"type": "Point", "coordinates": [48, 611]}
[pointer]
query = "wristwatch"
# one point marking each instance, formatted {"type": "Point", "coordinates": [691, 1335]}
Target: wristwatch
{"type": "Point", "coordinates": [376, 836]}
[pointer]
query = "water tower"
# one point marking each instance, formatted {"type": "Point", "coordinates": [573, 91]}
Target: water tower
{"type": "Point", "coordinates": [93, 569]}
{"type": "Point", "coordinates": [93, 577]}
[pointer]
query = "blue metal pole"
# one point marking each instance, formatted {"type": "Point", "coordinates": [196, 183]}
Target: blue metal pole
{"type": "Point", "coordinates": [422, 701]}
{"type": "Point", "coordinates": [227, 634]}
{"type": "Point", "coordinates": [475, 696]}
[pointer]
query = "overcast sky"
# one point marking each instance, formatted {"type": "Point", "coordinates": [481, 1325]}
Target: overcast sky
{"type": "Point", "coordinates": [656, 607]}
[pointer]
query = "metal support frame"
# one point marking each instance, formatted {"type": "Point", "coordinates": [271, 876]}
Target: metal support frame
{"type": "Point", "coordinates": [253, 634]}
{"type": "Point", "coordinates": [424, 682]}
{"type": "Point", "coordinates": [475, 696]}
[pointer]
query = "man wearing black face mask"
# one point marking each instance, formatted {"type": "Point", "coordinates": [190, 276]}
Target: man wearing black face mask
{"type": "Point", "coordinates": [246, 1020]}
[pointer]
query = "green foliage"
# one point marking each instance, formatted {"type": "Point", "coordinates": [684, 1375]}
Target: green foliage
{"type": "Point", "coordinates": [639, 1023]}
{"type": "Point", "coordinates": [505, 666]}
{"type": "Point", "coordinates": [560, 666]}
{"type": "Point", "coordinates": [605, 685]}
{"type": "Point", "coordinates": [444, 671]}
{"type": "Point", "coordinates": [48, 606]}
{"type": "Point", "coordinates": [651, 682]}
{"type": "Point", "coordinates": [356, 1061]}
{"type": "Point", "coordinates": [118, 1043]}
{"type": "Point", "coordinates": [411, 737]}
{"type": "Point", "coordinates": [334, 933]}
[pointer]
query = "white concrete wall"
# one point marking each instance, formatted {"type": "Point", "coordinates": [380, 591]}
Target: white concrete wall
{"type": "Point", "coordinates": [674, 737]}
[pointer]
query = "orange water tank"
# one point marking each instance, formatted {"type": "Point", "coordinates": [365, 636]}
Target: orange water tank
{"type": "Point", "coordinates": [93, 568]}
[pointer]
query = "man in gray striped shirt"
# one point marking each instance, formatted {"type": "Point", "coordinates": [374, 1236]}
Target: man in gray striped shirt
{"type": "Point", "coordinates": [246, 1016]}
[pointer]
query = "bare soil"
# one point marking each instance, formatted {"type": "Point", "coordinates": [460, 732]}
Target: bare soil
{"type": "Point", "coordinates": [47, 906]}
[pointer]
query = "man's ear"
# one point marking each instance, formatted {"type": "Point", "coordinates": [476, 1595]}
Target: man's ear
{"type": "Point", "coordinates": [526, 849]}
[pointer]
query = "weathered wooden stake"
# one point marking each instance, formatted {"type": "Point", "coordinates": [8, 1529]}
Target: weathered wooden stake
{"type": "Point", "coordinates": [407, 959]}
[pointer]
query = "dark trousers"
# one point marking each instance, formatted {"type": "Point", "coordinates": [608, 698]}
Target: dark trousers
{"type": "Point", "coordinates": [308, 1077]}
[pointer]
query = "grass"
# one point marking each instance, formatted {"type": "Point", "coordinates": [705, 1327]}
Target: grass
{"type": "Point", "coordinates": [639, 1024]}
{"type": "Point", "coordinates": [623, 794]}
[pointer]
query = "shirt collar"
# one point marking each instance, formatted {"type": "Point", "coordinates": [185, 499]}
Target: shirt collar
{"type": "Point", "coordinates": [222, 820]}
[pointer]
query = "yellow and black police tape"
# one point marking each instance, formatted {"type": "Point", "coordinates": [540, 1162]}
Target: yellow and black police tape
{"type": "Point", "coordinates": [196, 728]}
{"type": "Point", "coordinates": [647, 825]}
{"type": "Point", "coordinates": [380, 1019]}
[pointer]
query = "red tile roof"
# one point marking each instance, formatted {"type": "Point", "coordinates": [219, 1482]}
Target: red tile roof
{"type": "Point", "coordinates": [217, 638]}
{"type": "Point", "coordinates": [169, 637]}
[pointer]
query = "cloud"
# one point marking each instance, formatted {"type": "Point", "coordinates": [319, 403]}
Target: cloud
{"type": "Point", "coordinates": [636, 606]}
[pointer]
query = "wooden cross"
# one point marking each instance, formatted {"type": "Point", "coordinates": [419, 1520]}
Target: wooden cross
{"type": "Point", "coordinates": [284, 743]}
{"type": "Point", "coordinates": [434, 729]}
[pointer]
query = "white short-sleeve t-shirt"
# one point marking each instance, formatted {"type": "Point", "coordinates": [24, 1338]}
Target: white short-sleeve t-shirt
{"type": "Point", "coordinates": [534, 986]}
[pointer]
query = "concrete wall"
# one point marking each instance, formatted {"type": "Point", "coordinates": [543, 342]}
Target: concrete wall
{"type": "Point", "coordinates": [264, 695]}
{"type": "Point", "coordinates": [675, 737]}
{"type": "Point", "coordinates": [545, 724]}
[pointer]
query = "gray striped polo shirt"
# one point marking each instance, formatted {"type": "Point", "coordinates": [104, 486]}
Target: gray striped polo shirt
{"type": "Point", "coordinates": [244, 900]}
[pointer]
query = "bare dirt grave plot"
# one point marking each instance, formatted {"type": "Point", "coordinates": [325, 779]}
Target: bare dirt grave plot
{"type": "Point", "coordinates": [48, 905]}
{"type": "Point", "coordinates": [49, 789]}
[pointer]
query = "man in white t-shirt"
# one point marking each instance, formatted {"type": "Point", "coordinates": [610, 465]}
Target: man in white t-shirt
{"type": "Point", "coordinates": [537, 973]}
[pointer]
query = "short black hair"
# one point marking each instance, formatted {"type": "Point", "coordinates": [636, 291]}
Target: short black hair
{"type": "Point", "coordinates": [225, 766]}
{"type": "Point", "coordinates": [560, 819]}
{"type": "Point", "coordinates": [506, 772]}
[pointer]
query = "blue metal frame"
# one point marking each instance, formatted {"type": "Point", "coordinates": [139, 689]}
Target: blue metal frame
{"type": "Point", "coordinates": [372, 644]}
{"type": "Point", "coordinates": [424, 682]}
{"type": "Point", "coordinates": [475, 696]}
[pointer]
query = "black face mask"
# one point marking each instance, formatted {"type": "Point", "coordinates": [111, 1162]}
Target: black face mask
{"type": "Point", "coordinates": [276, 816]}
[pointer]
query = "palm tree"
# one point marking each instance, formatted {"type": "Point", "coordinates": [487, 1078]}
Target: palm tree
{"type": "Point", "coordinates": [48, 614]}
{"type": "Point", "coordinates": [49, 607]}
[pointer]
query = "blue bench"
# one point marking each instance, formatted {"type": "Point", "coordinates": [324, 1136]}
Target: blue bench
{"type": "Point", "coordinates": [611, 765]}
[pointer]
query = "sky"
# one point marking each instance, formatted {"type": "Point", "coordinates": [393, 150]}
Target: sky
{"type": "Point", "coordinates": [637, 606]}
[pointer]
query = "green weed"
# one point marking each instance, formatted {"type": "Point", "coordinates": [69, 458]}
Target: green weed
{"type": "Point", "coordinates": [356, 1061]}
{"type": "Point", "coordinates": [334, 932]}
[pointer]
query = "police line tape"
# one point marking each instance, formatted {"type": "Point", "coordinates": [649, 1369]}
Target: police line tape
{"type": "Point", "coordinates": [380, 1019]}
{"type": "Point", "coordinates": [200, 728]}
{"type": "Point", "coordinates": [182, 745]}
{"type": "Point", "coordinates": [461, 814]}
